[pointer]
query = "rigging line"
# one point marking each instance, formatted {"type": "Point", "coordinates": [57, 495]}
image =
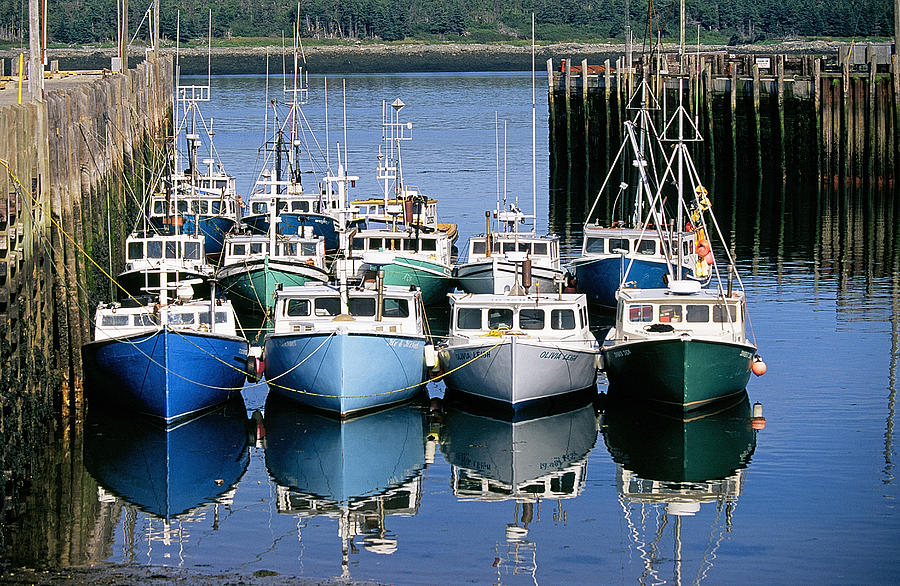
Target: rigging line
{"type": "Point", "coordinates": [94, 262]}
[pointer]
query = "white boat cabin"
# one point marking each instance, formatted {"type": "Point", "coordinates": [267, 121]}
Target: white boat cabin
{"type": "Point", "coordinates": [542, 250]}
{"type": "Point", "coordinates": [318, 308]}
{"type": "Point", "coordinates": [415, 208]}
{"type": "Point", "coordinates": [241, 248]}
{"type": "Point", "coordinates": [431, 246]}
{"type": "Point", "coordinates": [150, 251]}
{"type": "Point", "coordinates": [117, 320]}
{"type": "Point", "coordinates": [646, 313]}
{"type": "Point", "coordinates": [552, 317]}
{"type": "Point", "coordinates": [628, 241]}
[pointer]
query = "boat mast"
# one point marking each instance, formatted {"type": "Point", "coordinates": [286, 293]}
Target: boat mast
{"type": "Point", "coordinates": [534, 137]}
{"type": "Point", "coordinates": [679, 222]}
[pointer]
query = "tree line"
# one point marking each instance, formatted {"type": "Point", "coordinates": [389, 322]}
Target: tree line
{"type": "Point", "coordinates": [91, 21]}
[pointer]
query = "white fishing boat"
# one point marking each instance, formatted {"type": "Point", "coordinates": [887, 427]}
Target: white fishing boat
{"type": "Point", "coordinates": [519, 349]}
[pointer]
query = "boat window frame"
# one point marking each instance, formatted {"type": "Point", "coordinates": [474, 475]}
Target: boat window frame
{"type": "Point", "coordinates": [559, 313]}
{"type": "Point", "coordinates": [469, 310]}
{"type": "Point", "coordinates": [531, 323]}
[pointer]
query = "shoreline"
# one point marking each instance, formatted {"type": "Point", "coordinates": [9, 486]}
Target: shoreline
{"type": "Point", "coordinates": [397, 58]}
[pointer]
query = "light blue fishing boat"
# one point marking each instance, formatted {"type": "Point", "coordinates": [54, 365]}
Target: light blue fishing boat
{"type": "Point", "coordinates": [345, 349]}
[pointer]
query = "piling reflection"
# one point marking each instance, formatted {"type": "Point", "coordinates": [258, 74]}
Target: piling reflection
{"type": "Point", "coordinates": [161, 480]}
{"type": "Point", "coordinates": [542, 456]}
{"type": "Point", "coordinates": [667, 468]}
{"type": "Point", "coordinates": [359, 471]}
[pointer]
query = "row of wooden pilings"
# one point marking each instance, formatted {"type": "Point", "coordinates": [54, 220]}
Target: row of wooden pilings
{"type": "Point", "coordinates": [72, 168]}
{"type": "Point", "coordinates": [854, 106]}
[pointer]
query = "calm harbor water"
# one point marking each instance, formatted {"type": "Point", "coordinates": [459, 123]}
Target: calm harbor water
{"type": "Point", "coordinates": [589, 493]}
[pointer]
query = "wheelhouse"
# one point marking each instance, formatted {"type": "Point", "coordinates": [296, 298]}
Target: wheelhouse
{"type": "Point", "coordinates": [542, 251]}
{"type": "Point", "coordinates": [535, 316]}
{"type": "Point", "coordinates": [705, 313]}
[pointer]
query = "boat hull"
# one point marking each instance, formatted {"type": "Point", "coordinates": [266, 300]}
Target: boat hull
{"type": "Point", "coordinates": [345, 372]}
{"type": "Point", "coordinates": [496, 276]}
{"type": "Point", "coordinates": [166, 374]}
{"type": "Point", "coordinates": [251, 285]}
{"type": "Point", "coordinates": [678, 372]}
{"type": "Point", "coordinates": [599, 278]}
{"type": "Point", "coordinates": [519, 373]}
{"type": "Point", "coordinates": [433, 280]}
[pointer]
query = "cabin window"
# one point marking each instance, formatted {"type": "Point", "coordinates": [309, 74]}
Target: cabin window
{"type": "Point", "coordinates": [478, 247]}
{"type": "Point", "coordinates": [159, 207]}
{"type": "Point", "coordinates": [359, 243]}
{"type": "Point", "coordinates": [395, 308]}
{"type": "Point", "coordinates": [192, 250]}
{"type": "Point", "coordinates": [135, 250]}
{"type": "Point", "coordinates": [392, 244]}
{"type": "Point", "coordinates": [216, 208]}
{"type": "Point", "coordinates": [531, 319]}
{"type": "Point", "coordinates": [468, 318]}
{"type": "Point", "coordinates": [719, 315]}
{"type": "Point", "coordinates": [594, 245]}
{"type": "Point", "coordinates": [500, 319]}
{"type": "Point", "coordinates": [307, 249]}
{"type": "Point", "coordinates": [509, 247]}
{"type": "Point", "coordinates": [221, 317]}
{"type": "Point", "coordinates": [177, 319]}
{"type": "Point", "coordinates": [524, 247]}
{"type": "Point", "coordinates": [539, 249]}
{"type": "Point", "coordinates": [114, 320]}
{"type": "Point", "coordinates": [259, 208]}
{"type": "Point", "coordinates": [375, 243]}
{"type": "Point", "coordinates": [256, 248]}
{"type": "Point", "coordinates": [154, 249]}
{"type": "Point", "coordinates": [617, 244]}
{"type": "Point", "coordinates": [670, 314]}
{"type": "Point", "coordinates": [429, 245]}
{"type": "Point", "coordinates": [585, 320]}
{"type": "Point", "coordinates": [640, 313]}
{"type": "Point", "coordinates": [409, 244]}
{"type": "Point", "coordinates": [646, 247]}
{"type": "Point", "coordinates": [562, 319]}
{"type": "Point", "coordinates": [182, 207]}
{"type": "Point", "coordinates": [362, 306]}
{"type": "Point", "coordinates": [297, 308]}
{"type": "Point", "coordinates": [327, 306]}
{"type": "Point", "coordinates": [172, 249]}
{"type": "Point", "coordinates": [698, 313]}
{"type": "Point", "coordinates": [145, 319]}
{"type": "Point", "coordinates": [289, 249]}
{"type": "Point", "coordinates": [238, 249]}
{"type": "Point", "coordinates": [282, 206]}
{"type": "Point", "coordinates": [304, 206]}
{"type": "Point", "coordinates": [686, 245]}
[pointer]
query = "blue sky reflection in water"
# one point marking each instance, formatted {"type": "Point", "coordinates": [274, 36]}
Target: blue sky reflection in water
{"type": "Point", "coordinates": [815, 503]}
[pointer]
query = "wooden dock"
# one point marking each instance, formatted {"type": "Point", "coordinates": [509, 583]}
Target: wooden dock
{"type": "Point", "coordinates": [72, 163]}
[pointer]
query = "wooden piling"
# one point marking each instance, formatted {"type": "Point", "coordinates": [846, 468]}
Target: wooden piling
{"type": "Point", "coordinates": [756, 125]}
{"type": "Point", "coordinates": [569, 112]}
{"type": "Point", "coordinates": [816, 89]}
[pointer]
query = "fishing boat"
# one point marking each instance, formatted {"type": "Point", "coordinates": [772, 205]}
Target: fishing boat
{"type": "Point", "coordinates": [359, 472]}
{"type": "Point", "coordinates": [196, 202]}
{"type": "Point", "coordinates": [681, 345]}
{"type": "Point", "coordinates": [167, 472]}
{"type": "Point", "coordinates": [640, 244]}
{"type": "Point", "coordinates": [165, 355]}
{"type": "Point", "coordinates": [519, 349]}
{"type": "Point", "coordinates": [418, 254]}
{"type": "Point", "coordinates": [346, 350]}
{"type": "Point", "coordinates": [679, 485]}
{"type": "Point", "coordinates": [317, 205]}
{"type": "Point", "coordinates": [495, 256]}
{"type": "Point", "coordinates": [255, 264]}
{"type": "Point", "coordinates": [150, 255]}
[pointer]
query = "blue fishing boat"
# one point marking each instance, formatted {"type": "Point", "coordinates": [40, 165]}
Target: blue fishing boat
{"type": "Point", "coordinates": [643, 244]}
{"type": "Point", "coordinates": [347, 349]}
{"type": "Point", "coordinates": [171, 358]}
{"type": "Point", "coordinates": [167, 471]}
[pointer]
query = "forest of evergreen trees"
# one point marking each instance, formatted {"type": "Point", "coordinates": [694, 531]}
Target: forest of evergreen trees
{"type": "Point", "coordinates": [88, 21]}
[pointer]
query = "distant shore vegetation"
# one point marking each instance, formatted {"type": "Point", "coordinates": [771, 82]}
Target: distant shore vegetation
{"type": "Point", "coordinates": [243, 23]}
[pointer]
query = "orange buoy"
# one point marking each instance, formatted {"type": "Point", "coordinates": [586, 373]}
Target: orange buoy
{"type": "Point", "coordinates": [758, 367]}
{"type": "Point", "coordinates": [757, 421]}
{"type": "Point", "coordinates": [702, 250]}
{"type": "Point", "coordinates": [708, 257]}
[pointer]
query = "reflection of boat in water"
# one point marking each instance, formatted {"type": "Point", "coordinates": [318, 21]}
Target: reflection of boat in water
{"type": "Point", "coordinates": [668, 466]}
{"type": "Point", "coordinates": [167, 472]}
{"type": "Point", "coordinates": [523, 460]}
{"type": "Point", "coordinates": [357, 470]}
